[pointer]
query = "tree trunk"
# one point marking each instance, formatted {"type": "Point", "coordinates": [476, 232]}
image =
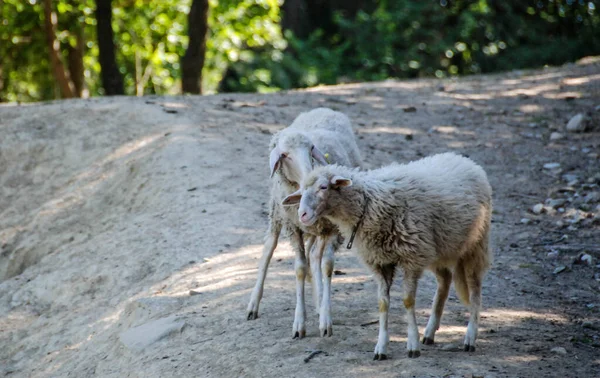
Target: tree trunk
{"type": "Point", "coordinates": [1, 80]}
{"type": "Point", "coordinates": [193, 61]}
{"type": "Point", "coordinates": [295, 17]}
{"type": "Point", "coordinates": [112, 80]}
{"type": "Point", "coordinates": [303, 17]}
{"type": "Point", "coordinates": [76, 68]}
{"type": "Point", "coordinates": [67, 89]}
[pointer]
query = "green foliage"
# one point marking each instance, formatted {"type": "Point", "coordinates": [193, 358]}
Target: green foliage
{"type": "Point", "coordinates": [247, 51]}
{"type": "Point", "coordinates": [403, 39]}
{"type": "Point", "coordinates": [25, 72]}
{"type": "Point", "coordinates": [244, 37]}
{"type": "Point", "coordinates": [150, 38]}
{"type": "Point", "coordinates": [410, 38]}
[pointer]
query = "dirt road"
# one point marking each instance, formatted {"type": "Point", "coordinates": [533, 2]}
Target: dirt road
{"type": "Point", "coordinates": [112, 210]}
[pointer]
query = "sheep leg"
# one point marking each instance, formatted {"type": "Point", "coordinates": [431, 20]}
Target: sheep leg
{"type": "Point", "coordinates": [411, 279]}
{"type": "Point", "coordinates": [316, 254]}
{"type": "Point", "coordinates": [384, 275]}
{"type": "Point", "coordinates": [474, 282]}
{"type": "Point", "coordinates": [325, 321]}
{"type": "Point", "coordinates": [271, 239]}
{"type": "Point", "coordinates": [444, 279]}
{"type": "Point", "coordinates": [299, 329]}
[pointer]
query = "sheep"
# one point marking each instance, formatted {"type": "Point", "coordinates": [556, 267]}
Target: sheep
{"type": "Point", "coordinates": [433, 213]}
{"type": "Point", "coordinates": [320, 135]}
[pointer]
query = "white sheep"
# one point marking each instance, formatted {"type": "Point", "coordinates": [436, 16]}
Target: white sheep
{"type": "Point", "coordinates": [323, 136]}
{"type": "Point", "coordinates": [433, 213]}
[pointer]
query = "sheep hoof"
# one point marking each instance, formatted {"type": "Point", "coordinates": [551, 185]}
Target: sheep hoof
{"type": "Point", "coordinates": [469, 348]}
{"type": "Point", "coordinates": [380, 357]}
{"type": "Point", "coordinates": [414, 353]}
{"type": "Point", "coordinates": [427, 341]}
{"type": "Point", "coordinates": [299, 335]}
{"type": "Point", "coordinates": [328, 331]}
{"type": "Point", "coordinates": [252, 315]}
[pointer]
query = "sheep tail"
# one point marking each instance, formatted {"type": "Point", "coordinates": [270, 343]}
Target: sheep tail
{"type": "Point", "coordinates": [460, 282]}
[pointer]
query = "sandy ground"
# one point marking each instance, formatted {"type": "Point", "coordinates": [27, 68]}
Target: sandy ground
{"type": "Point", "coordinates": [113, 209]}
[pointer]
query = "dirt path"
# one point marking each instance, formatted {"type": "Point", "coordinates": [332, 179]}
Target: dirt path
{"type": "Point", "coordinates": [113, 209]}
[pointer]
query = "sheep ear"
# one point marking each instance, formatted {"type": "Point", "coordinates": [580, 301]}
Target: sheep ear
{"type": "Point", "coordinates": [318, 155]}
{"type": "Point", "coordinates": [339, 181]}
{"type": "Point", "coordinates": [274, 160]}
{"type": "Point", "coordinates": [292, 199]}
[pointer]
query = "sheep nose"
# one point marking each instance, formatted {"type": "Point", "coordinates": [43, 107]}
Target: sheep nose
{"type": "Point", "coordinates": [303, 216]}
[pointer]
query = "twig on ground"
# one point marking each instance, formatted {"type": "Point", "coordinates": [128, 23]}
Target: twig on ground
{"type": "Point", "coordinates": [551, 242]}
{"type": "Point", "coordinates": [312, 354]}
{"type": "Point", "coordinates": [574, 247]}
{"type": "Point", "coordinates": [522, 195]}
{"type": "Point", "coordinates": [369, 323]}
{"type": "Point", "coordinates": [205, 340]}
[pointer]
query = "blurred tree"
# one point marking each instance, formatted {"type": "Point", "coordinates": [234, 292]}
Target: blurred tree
{"type": "Point", "coordinates": [267, 45]}
{"type": "Point", "coordinates": [150, 39]}
{"type": "Point", "coordinates": [75, 63]}
{"type": "Point", "coordinates": [193, 60]}
{"type": "Point", "coordinates": [112, 80]}
{"type": "Point", "coordinates": [303, 17]}
{"type": "Point", "coordinates": [67, 88]}
{"type": "Point", "coordinates": [245, 46]}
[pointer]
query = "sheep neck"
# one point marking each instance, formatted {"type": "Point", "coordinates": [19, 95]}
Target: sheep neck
{"type": "Point", "coordinates": [291, 185]}
{"type": "Point", "coordinates": [360, 220]}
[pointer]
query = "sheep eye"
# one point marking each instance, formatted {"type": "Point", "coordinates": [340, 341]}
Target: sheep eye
{"type": "Point", "coordinates": [284, 155]}
{"type": "Point", "coordinates": [323, 187]}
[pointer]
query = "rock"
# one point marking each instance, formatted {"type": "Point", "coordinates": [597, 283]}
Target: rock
{"type": "Point", "coordinates": [584, 206]}
{"type": "Point", "coordinates": [538, 209]}
{"type": "Point", "coordinates": [568, 177]}
{"type": "Point", "coordinates": [576, 124]}
{"type": "Point", "coordinates": [551, 165]}
{"type": "Point", "coordinates": [559, 350]}
{"type": "Point", "coordinates": [597, 277]}
{"type": "Point", "coordinates": [559, 269]}
{"type": "Point", "coordinates": [448, 347]}
{"type": "Point", "coordinates": [578, 217]}
{"type": "Point", "coordinates": [597, 108]}
{"type": "Point", "coordinates": [552, 255]}
{"type": "Point", "coordinates": [590, 325]}
{"type": "Point", "coordinates": [555, 203]}
{"type": "Point", "coordinates": [586, 259]}
{"type": "Point", "coordinates": [556, 136]}
{"type": "Point", "coordinates": [525, 221]}
{"type": "Point", "coordinates": [592, 197]}
{"type": "Point", "coordinates": [560, 223]}
{"type": "Point", "coordinates": [140, 337]}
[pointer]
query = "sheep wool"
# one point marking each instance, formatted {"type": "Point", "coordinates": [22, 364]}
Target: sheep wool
{"type": "Point", "coordinates": [318, 137]}
{"type": "Point", "coordinates": [433, 214]}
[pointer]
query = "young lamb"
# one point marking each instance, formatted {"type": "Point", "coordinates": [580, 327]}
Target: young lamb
{"type": "Point", "coordinates": [322, 136]}
{"type": "Point", "coordinates": [433, 213]}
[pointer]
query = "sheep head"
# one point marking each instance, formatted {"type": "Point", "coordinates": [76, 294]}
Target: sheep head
{"type": "Point", "coordinates": [314, 195]}
{"type": "Point", "coordinates": [293, 155]}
